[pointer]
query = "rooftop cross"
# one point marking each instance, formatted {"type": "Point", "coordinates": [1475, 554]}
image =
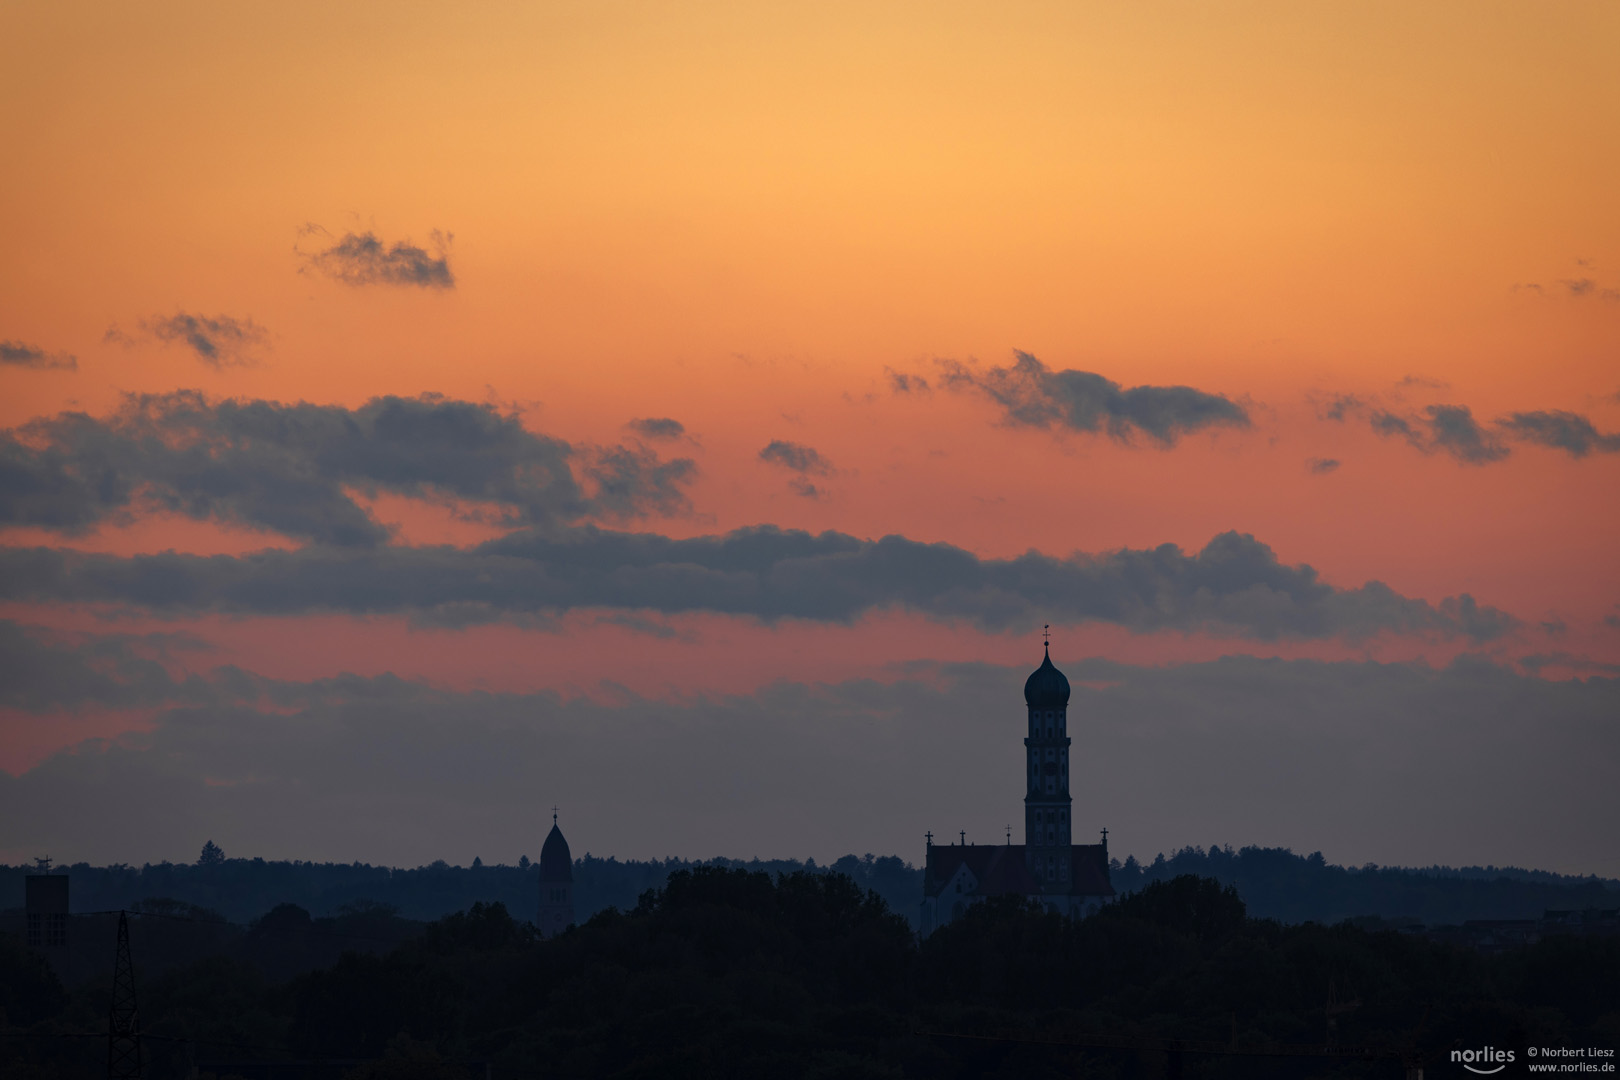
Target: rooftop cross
{"type": "Point", "coordinates": [1046, 635]}
{"type": "Point", "coordinates": [554, 815]}
{"type": "Point", "coordinates": [1105, 834]}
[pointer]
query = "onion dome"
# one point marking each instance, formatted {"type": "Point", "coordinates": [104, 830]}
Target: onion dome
{"type": "Point", "coordinates": [556, 864]}
{"type": "Point", "coordinates": [1046, 687]}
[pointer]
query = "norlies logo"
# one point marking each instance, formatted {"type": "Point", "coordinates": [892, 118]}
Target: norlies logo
{"type": "Point", "coordinates": [1486, 1057]}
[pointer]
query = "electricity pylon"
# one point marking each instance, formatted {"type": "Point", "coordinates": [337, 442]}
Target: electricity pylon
{"type": "Point", "coordinates": [123, 1028]}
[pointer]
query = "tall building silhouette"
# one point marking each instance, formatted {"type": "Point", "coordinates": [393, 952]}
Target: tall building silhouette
{"type": "Point", "coordinates": [45, 907]}
{"type": "Point", "coordinates": [556, 883]}
{"type": "Point", "coordinates": [1048, 866]}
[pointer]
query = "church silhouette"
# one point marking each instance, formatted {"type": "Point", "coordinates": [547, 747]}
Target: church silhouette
{"type": "Point", "coordinates": [556, 883]}
{"type": "Point", "coordinates": [1047, 867]}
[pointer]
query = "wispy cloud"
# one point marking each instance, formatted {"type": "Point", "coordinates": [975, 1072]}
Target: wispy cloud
{"type": "Point", "coordinates": [1322, 466]}
{"type": "Point", "coordinates": [365, 259]}
{"type": "Point", "coordinates": [799, 458]}
{"type": "Point", "coordinates": [1032, 395]}
{"type": "Point", "coordinates": [22, 354]}
{"type": "Point", "coordinates": [220, 341]}
{"type": "Point", "coordinates": [658, 427]}
{"type": "Point", "coordinates": [902, 383]}
{"type": "Point", "coordinates": [804, 460]}
{"type": "Point", "coordinates": [1448, 428]}
{"type": "Point", "coordinates": [1338, 406]}
{"type": "Point", "coordinates": [1562, 430]}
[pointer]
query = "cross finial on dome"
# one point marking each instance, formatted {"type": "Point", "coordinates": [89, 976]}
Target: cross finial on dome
{"type": "Point", "coordinates": [554, 815]}
{"type": "Point", "coordinates": [1046, 636]}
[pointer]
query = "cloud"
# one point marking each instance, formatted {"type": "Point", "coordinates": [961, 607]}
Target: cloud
{"type": "Point", "coordinates": [659, 427]}
{"type": "Point", "coordinates": [291, 468]}
{"type": "Point", "coordinates": [633, 482]}
{"type": "Point", "coordinates": [1322, 466]}
{"type": "Point", "coordinates": [804, 460]}
{"type": "Point", "coordinates": [22, 354]}
{"type": "Point", "coordinates": [1422, 382]}
{"type": "Point", "coordinates": [1578, 287]}
{"type": "Point", "coordinates": [1339, 406]}
{"type": "Point", "coordinates": [902, 383]}
{"type": "Point", "coordinates": [1448, 428]}
{"type": "Point", "coordinates": [801, 459]}
{"type": "Point", "coordinates": [1032, 395]}
{"type": "Point", "coordinates": [1535, 663]}
{"type": "Point", "coordinates": [219, 341]}
{"type": "Point", "coordinates": [41, 672]}
{"type": "Point", "coordinates": [1454, 430]}
{"type": "Point", "coordinates": [363, 259]}
{"type": "Point", "coordinates": [1234, 586]}
{"type": "Point", "coordinates": [1513, 769]}
{"type": "Point", "coordinates": [1567, 431]}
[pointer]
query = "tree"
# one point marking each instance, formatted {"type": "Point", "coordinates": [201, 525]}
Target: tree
{"type": "Point", "coordinates": [212, 855]}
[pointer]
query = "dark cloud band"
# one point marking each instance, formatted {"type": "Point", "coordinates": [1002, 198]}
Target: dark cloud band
{"type": "Point", "coordinates": [290, 468]}
{"type": "Point", "coordinates": [1235, 585]}
{"type": "Point", "coordinates": [396, 770]}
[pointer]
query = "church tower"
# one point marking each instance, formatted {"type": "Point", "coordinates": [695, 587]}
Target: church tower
{"type": "Point", "coordinates": [1046, 799]}
{"type": "Point", "coordinates": [556, 883]}
{"type": "Point", "coordinates": [1048, 868]}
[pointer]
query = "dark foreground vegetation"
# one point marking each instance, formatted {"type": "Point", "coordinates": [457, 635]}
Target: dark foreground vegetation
{"type": "Point", "coordinates": [728, 973]}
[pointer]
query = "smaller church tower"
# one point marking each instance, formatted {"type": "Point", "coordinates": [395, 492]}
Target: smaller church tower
{"type": "Point", "coordinates": [556, 883]}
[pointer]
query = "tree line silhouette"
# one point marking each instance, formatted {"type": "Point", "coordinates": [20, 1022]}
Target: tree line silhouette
{"type": "Point", "coordinates": [735, 972]}
{"type": "Point", "coordinates": [1274, 883]}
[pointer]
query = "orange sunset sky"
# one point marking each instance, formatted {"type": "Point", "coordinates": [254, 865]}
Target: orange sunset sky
{"type": "Point", "coordinates": [833, 229]}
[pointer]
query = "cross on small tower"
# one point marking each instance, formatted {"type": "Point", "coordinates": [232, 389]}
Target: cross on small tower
{"type": "Point", "coordinates": [929, 836]}
{"type": "Point", "coordinates": [964, 837]}
{"type": "Point", "coordinates": [1105, 834]}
